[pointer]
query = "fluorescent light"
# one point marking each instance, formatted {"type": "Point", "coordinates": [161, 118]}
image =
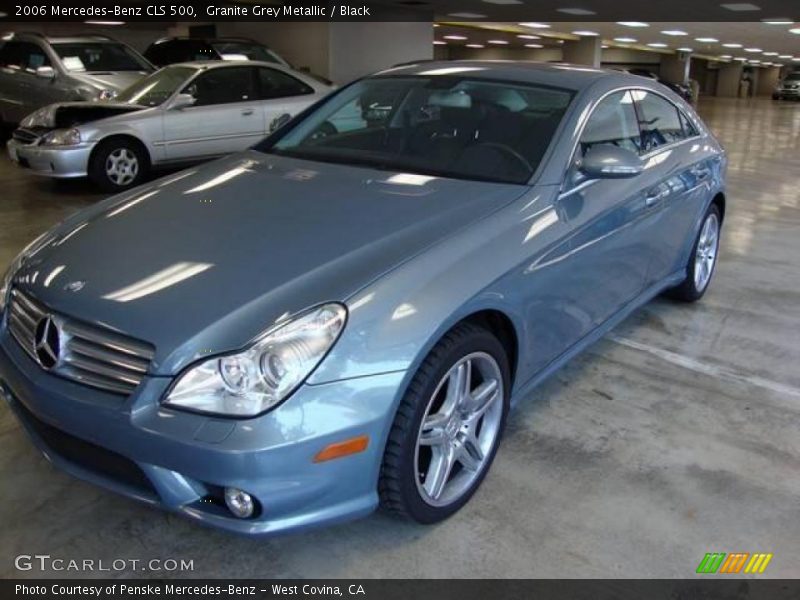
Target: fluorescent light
{"type": "Point", "coordinates": [795, 30]}
{"type": "Point", "coordinates": [726, 56]}
{"type": "Point", "coordinates": [770, 54]}
{"type": "Point", "coordinates": [105, 23]}
{"type": "Point", "coordinates": [785, 56]}
{"type": "Point", "coordinates": [632, 24]}
{"type": "Point", "coordinates": [474, 45]}
{"type": "Point", "coordinates": [674, 32]}
{"type": "Point", "coordinates": [685, 50]}
{"type": "Point", "coordinates": [467, 15]}
{"type": "Point", "coordinates": [499, 42]}
{"type": "Point", "coordinates": [740, 6]}
{"type": "Point", "coordinates": [657, 45]}
{"type": "Point", "coordinates": [455, 37]}
{"type": "Point", "coordinates": [525, 36]}
{"type": "Point", "coordinates": [753, 50]}
{"type": "Point", "coordinates": [576, 11]}
{"type": "Point", "coordinates": [777, 21]}
{"type": "Point", "coordinates": [439, 43]}
{"type": "Point", "coordinates": [796, 59]}
{"type": "Point", "coordinates": [534, 46]}
{"type": "Point", "coordinates": [732, 45]}
{"type": "Point", "coordinates": [585, 32]}
{"type": "Point", "coordinates": [706, 40]}
{"type": "Point", "coordinates": [741, 58]}
{"type": "Point", "coordinates": [626, 40]}
{"type": "Point", "coordinates": [536, 25]}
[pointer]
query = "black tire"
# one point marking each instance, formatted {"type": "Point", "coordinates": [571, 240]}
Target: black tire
{"type": "Point", "coordinates": [104, 152]}
{"type": "Point", "coordinates": [397, 485]}
{"type": "Point", "coordinates": [688, 291]}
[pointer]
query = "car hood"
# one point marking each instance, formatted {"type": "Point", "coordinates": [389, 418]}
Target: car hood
{"type": "Point", "coordinates": [72, 114]}
{"type": "Point", "coordinates": [110, 80]}
{"type": "Point", "coordinates": [203, 261]}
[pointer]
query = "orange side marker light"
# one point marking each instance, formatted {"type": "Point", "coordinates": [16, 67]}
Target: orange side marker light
{"type": "Point", "coordinates": [340, 449]}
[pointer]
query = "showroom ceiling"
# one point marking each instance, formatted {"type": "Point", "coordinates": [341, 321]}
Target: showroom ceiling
{"type": "Point", "coordinates": [767, 43]}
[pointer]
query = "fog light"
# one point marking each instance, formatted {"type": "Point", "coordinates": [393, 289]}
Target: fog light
{"type": "Point", "coordinates": [239, 502]}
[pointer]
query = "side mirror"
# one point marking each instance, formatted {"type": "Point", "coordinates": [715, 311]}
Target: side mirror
{"type": "Point", "coordinates": [611, 162]}
{"type": "Point", "coordinates": [279, 122]}
{"type": "Point", "coordinates": [45, 72]}
{"type": "Point", "coordinates": [182, 101]}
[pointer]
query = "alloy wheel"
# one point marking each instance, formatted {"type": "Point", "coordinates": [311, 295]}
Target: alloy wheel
{"type": "Point", "coordinates": [459, 430]}
{"type": "Point", "coordinates": [706, 252]}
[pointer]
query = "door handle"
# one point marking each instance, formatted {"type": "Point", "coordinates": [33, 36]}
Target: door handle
{"type": "Point", "coordinates": [654, 197]}
{"type": "Point", "coordinates": [247, 112]}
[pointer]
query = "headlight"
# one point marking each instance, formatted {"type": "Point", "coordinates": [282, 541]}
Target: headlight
{"type": "Point", "coordinates": [62, 137]}
{"type": "Point", "coordinates": [5, 285]}
{"type": "Point", "coordinates": [257, 379]}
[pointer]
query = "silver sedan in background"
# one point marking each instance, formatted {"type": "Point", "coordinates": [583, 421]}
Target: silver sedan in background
{"type": "Point", "coordinates": [183, 113]}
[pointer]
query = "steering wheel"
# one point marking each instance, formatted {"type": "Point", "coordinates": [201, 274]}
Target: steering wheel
{"type": "Point", "coordinates": [508, 151]}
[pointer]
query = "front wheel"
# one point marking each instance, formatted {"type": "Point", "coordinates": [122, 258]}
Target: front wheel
{"type": "Point", "coordinates": [703, 259]}
{"type": "Point", "coordinates": [447, 428]}
{"type": "Point", "coordinates": [118, 164]}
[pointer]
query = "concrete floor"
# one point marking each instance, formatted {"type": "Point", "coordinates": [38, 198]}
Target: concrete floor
{"type": "Point", "coordinates": [675, 436]}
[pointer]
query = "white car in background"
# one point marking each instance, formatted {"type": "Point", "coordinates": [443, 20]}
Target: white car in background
{"type": "Point", "coordinates": [183, 113]}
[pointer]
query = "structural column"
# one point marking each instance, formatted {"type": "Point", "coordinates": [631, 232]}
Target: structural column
{"type": "Point", "coordinates": [585, 51]}
{"type": "Point", "coordinates": [675, 67]}
{"type": "Point", "coordinates": [728, 80]}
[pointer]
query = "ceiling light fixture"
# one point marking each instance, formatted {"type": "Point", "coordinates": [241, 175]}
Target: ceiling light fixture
{"type": "Point", "coordinates": [657, 45]}
{"type": "Point", "coordinates": [455, 37]}
{"type": "Point", "coordinates": [685, 50]}
{"type": "Point", "coordinates": [706, 40]}
{"type": "Point", "coordinates": [576, 11]}
{"type": "Point", "coordinates": [534, 46]}
{"type": "Point", "coordinates": [535, 25]}
{"type": "Point", "coordinates": [753, 50]}
{"type": "Point", "coordinates": [785, 56]}
{"type": "Point", "coordinates": [499, 42]}
{"type": "Point", "coordinates": [770, 54]}
{"type": "Point", "coordinates": [585, 33]}
{"type": "Point", "coordinates": [674, 32]}
{"type": "Point", "coordinates": [525, 36]}
{"type": "Point", "coordinates": [467, 15]}
{"type": "Point", "coordinates": [626, 40]}
{"type": "Point", "coordinates": [439, 43]}
{"type": "Point", "coordinates": [474, 45]}
{"type": "Point", "coordinates": [795, 30]}
{"type": "Point", "coordinates": [732, 45]}
{"type": "Point", "coordinates": [633, 24]}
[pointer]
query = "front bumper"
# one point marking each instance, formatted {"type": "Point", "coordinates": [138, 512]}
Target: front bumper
{"type": "Point", "coordinates": [787, 93]}
{"type": "Point", "coordinates": [179, 461]}
{"type": "Point", "coordinates": [52, 161]}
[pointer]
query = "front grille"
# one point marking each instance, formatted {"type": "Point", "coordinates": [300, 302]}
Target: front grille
{"type": "Point", "coordinates": [25, 136]}
{"type": "Point", "coordinates": [89, 355]}
{"type": "Point", "coordinates": [86, 455]}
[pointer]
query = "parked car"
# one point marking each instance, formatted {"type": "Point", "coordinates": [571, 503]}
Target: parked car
{"type": "Point", "coordinates": [168, 51]}
{"type": "Point", "coordinates": [180, 114]}
{"type": "Point", "coordinates": [684, 90]}
{"type": "Point", "coordinates": [334, 320]}
{"type": "Point", "coordinates": [788, 88]}
{"type": "Point", "coordinates": [36, 70]}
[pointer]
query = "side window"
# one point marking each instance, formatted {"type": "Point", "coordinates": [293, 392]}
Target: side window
{"type": "Point", "coordinates": [659, 121]}
{"type": "Point", "coordinates": [223, 86]}
{"type": "Point", "coordinates": [612, 122]}
{"type": "Point", "coordinates": [23, 56]}
{"type": "Point", "coordinates": [277, 84]}
{"type": "Point", "coordinates": [688, 127]}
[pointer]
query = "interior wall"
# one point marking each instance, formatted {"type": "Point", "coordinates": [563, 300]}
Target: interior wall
{"type": "Point", "coordinates": [139, 37]}
{"type": "Point", "coordinates": [464, 53]}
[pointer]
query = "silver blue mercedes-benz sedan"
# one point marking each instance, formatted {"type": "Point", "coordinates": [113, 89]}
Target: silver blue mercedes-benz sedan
{"type": "Point", "coordinates": [341, 317]}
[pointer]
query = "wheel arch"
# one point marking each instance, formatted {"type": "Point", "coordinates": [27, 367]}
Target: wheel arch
{"type": "Point", "coordinates": [122, 136]}
{"type": "Point", "coordinates": [719, 201]}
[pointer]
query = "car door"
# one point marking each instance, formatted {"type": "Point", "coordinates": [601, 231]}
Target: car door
{"type": "Point", "coordinates": [682, 178]}
{"type": "Point", "coordinates": [21, 90]}
{"type": "Point", "coordinates": [226, 116]}
{"type": "Point", "coordinates": [281, 94]}
{"type": "Point", "coordinates": [609, 252]}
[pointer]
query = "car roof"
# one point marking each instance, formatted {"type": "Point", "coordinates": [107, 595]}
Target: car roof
{"type": "Point", "coordinates": [218, 64]}
{"type": "Point", "coordinates": [563, 75]}
{"type": "Point", "coordinates": [208, 40]}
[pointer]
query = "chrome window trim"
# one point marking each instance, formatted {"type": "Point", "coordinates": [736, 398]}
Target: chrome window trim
{"type": "Point", "coordinates": [582, 126]}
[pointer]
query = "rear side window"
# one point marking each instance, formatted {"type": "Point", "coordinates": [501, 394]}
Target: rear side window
{"type": "Point", "coordinates": [24, 56]}
{"type": "Point", "coordinates": [659, 121]}
{"type": "Point", "coordinates": [612, 122]}
{"type": "Point", "coordinates": [223, 86]}
{"type": "Point", "coordinates": [688, 127]}
{"type": "Point", "coordinates": [277, 84]}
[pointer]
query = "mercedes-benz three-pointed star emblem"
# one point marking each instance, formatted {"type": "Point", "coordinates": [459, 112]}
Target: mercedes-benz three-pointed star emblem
{"type": "Point", "coordinates": [47, 343]}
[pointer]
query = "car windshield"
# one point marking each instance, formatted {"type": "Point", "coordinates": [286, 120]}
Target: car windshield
{"type": "Point", "coordinates": [99, 56]}
{"type": "Point", "coordinates": [437, 125]}
{"type": "Point", "coordinates": [156, 88]}
{"type": "Point", "coordinates": [793, 76]}
{"type": "Point", "coordinates": [246, 51]}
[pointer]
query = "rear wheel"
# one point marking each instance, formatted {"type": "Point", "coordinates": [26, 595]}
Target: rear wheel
{"type": "Point", "coordinates": [447, 428]}
{"type": "Point", "coordinates": [703, 259]}
{"type": "Point", "coordinates": [118, 164]}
